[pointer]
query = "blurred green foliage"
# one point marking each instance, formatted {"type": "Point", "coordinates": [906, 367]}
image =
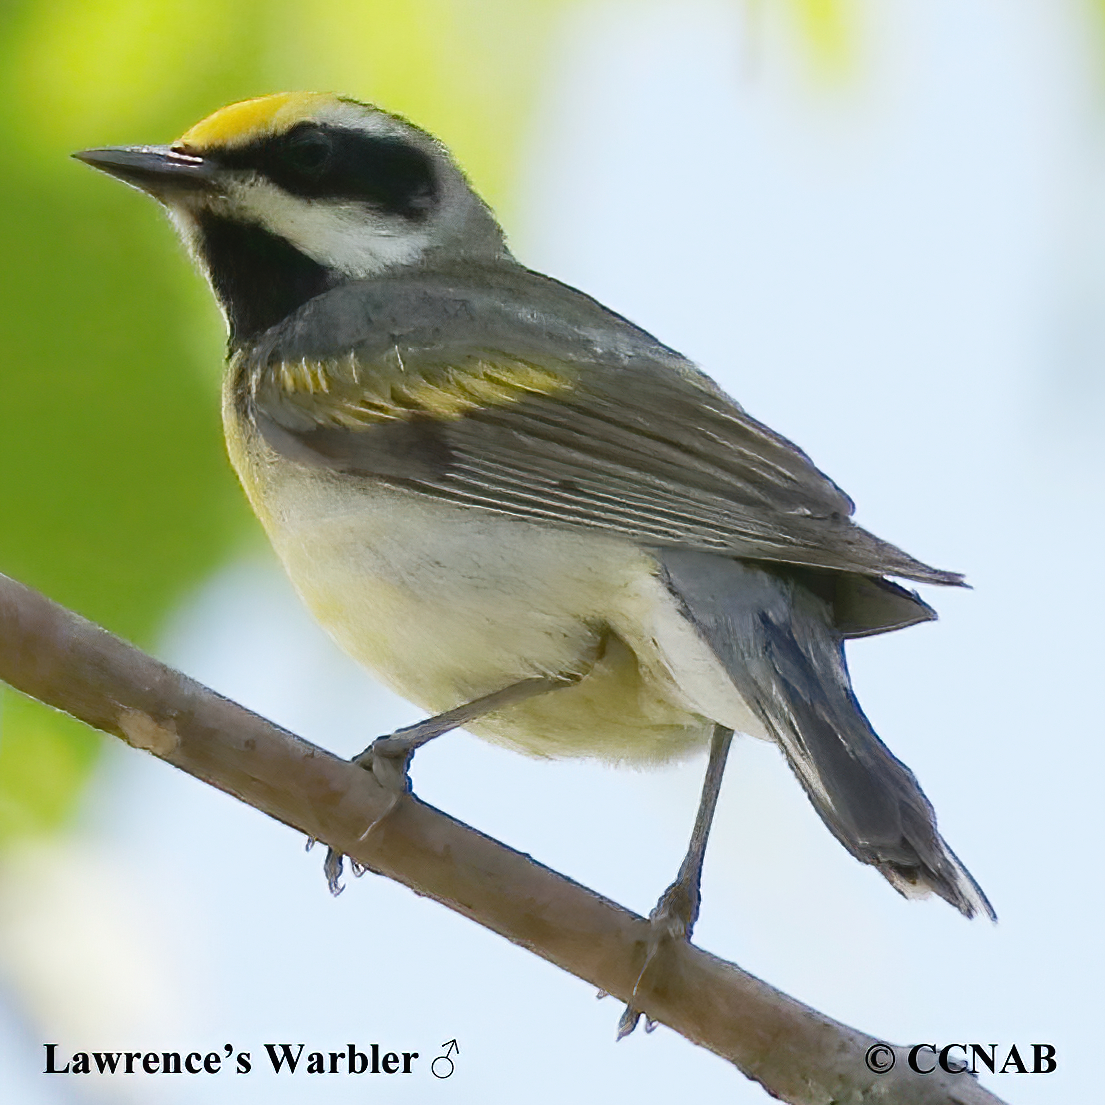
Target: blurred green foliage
{"type": "Point", "coordinates": [115, 495]}
{"type": "Point", "coordinates": [114, 498]}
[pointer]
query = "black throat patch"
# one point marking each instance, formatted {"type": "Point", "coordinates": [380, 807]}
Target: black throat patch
{"type": "Point", "coordinates": [259, 277]}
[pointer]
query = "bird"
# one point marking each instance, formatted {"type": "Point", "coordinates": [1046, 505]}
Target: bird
{"type": "Point", "coordinates": [517, 508]}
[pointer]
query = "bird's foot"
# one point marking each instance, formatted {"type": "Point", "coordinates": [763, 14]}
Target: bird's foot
{"type": "Point", "coordinates": [389, 760]}
{"type": "Point", "coordinates": [332, 869]}
{"type": "Point", "coordinates": [672, 919]}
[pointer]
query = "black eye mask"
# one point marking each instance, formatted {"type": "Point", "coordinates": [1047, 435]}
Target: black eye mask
{"type": "Point", "coordinates": [335, 163]}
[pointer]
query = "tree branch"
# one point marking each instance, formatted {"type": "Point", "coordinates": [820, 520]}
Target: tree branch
{"type": "Point", "coordinates": [794, 1052]}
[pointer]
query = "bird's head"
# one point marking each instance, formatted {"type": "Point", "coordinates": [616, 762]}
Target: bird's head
{"type": "Point", "coordinates": [282, 197]}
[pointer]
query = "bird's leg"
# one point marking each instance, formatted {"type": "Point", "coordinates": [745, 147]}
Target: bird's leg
{"type": "Point", "coordinates": [389, 757]}
{"type": "Point", "coordinates": [675, 913]}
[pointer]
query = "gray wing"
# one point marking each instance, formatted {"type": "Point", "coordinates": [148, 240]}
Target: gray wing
{"type": "Point", "coordinates": [515, 394]}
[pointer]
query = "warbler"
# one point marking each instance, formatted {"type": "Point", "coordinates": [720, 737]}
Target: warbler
{"type": "Point", "coordinates": [515, 507]}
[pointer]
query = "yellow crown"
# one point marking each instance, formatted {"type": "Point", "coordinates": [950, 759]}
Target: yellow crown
{"type": "Point", "coordinates": [239, 124]}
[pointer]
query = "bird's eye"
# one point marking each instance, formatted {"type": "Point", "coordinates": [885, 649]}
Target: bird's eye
{"type": "Point", "coordinates": [307, 151]}
{"type": "Point", "coordinates": [345, 165]}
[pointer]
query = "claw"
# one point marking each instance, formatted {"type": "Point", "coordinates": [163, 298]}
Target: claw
{"type": "Point", "coordinates": [628, 1022]}
{"type": "Point", "coordinates": [332, 868]}
{"type": "Point", "coordinates": [389, 767]}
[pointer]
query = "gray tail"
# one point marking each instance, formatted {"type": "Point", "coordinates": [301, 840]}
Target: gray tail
{"type": "Point", "coordinates": [786, 658]}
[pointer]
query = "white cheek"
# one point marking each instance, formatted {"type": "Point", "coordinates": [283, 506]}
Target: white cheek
{"type": "Point", "coordinates": [350, 237]}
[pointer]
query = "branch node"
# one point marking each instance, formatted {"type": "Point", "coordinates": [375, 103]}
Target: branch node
{"type": "Point", "coordinates": [141, 731]}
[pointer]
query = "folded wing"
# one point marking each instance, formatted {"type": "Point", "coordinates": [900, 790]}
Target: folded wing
{"type": "Point", "coordinates": [518, 395]}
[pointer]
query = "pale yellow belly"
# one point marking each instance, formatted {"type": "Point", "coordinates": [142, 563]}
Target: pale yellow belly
{"type": "Point", "coordinates": [445, 604]}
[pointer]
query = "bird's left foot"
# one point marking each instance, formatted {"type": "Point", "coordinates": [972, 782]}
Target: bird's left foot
{"type": "Point", "coordinates": [389, 760]}
{"type": "Point", "coordinates": [672, 919]}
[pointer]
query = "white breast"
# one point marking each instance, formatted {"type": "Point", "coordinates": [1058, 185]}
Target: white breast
{"type": "Point", "coordinates": [445, 603]}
